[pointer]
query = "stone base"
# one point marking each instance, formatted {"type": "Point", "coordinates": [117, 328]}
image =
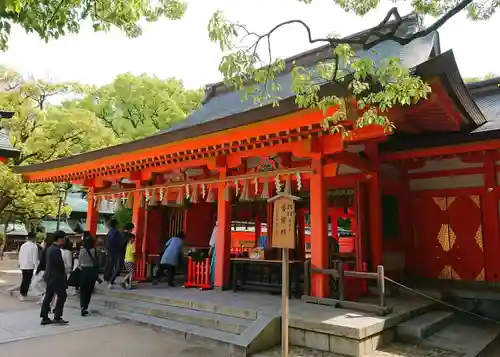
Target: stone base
{"type": "Point", "coordinates": [339, 344]}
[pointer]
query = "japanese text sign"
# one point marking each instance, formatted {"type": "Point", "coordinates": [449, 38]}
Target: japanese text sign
{"type": "Point", "coordinates": [284, 223]}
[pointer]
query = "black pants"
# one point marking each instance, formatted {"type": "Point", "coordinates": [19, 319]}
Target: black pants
{"type": "Point", "coordinates": [87, 285]}
{"type": "Point", "coordinates": [25, 283]}
{"type": "Point", "coordinates": [170, 269]}
{"type": "Point", "coordinates": [60, 291]}
{"type": "Point", "coordinates": [113, 268]}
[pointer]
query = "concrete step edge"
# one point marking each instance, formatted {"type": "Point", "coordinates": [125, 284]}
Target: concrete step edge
{"type": "Point", "coordinates": [220, 338]}
{"type": "Point", "coordinates": [193, 305]}
{"type": "Point", "coordinates": [417, 329]}
{"type": "Point", "coordinates": [194, 317]}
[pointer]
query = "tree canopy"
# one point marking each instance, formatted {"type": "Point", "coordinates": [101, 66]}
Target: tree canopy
{"type": "Point", "coordinates": [248, 56]}
{"type": "Point", "coordinates": [45, 129]}
{"type": "Point", "coordinates": [374, 87]}
{"type": "Point", "coordinates": [51, 19]}
{"type": "Point", "coordinates": [133, 107]}
{"type": "Point", "coordinates": [42, 132]}
{"type": "Point", "coordinates": [479, 79]}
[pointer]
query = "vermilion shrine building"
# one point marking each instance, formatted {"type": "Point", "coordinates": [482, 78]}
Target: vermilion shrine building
{"type": "Point", "coordinates": [422, 201]}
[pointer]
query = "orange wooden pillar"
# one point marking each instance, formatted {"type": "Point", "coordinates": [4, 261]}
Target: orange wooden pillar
{"type": "Point", "coordinates": [319, 230]}
{"type": "Point", "coordinates": [375, 207]}
{"type": "Point", "coordinates": [138, 218]}
{"type": "Point", "coordinates": [301, 235]}
{"type": "Point", "coordinates": [92, 214]}
{"type": "Point", "coordinates": [491, 231]}
{"type": "Point", "coordinates": [223, 242]}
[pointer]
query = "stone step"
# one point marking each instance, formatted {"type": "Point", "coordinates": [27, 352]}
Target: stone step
{"type": "Point", "coordinates": [260, 335]}
{"type": "Point", "coordinates": [206, 306]}
{"type": "Point", "coordinates": [188, 316]}
{"type": "Point", "coordinates": [467, 336]}
{"type": "Point", "coordinates": [210, 336]}
{"type": "Point", "coordinates": [417, 329]}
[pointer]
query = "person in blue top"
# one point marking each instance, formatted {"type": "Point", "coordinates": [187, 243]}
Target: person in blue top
{"type": "Point", "coordinates": [170, 258]}
{"type": "Point", "coordinates": [115, 253]}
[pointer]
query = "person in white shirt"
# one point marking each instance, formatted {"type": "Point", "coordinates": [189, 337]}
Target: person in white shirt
{"type": "Point", "coordinates": [67, 256]}
{"type": "Point", "coordinates": [28, 259]}
{"type": "Point", "coordinates": [211, 253]}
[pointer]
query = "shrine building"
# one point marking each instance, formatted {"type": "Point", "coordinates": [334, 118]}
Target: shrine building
{"type": "Point", "coordinates": [422, 201]}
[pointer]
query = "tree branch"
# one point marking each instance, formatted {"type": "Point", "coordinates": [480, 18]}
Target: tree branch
{"type": "Point", "coordinates": [380, 31]}
{"type": "Point", "coordinates": [56, 10]}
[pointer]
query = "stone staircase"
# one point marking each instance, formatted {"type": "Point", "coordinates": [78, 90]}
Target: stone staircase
{"type": "Point", "coordinates": [240, 331]}
{"type": "Point", "coordinates": [466, 335]}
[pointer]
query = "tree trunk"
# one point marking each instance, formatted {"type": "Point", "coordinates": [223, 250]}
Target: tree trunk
{"type": "Point", "coordinates": [4, 202]}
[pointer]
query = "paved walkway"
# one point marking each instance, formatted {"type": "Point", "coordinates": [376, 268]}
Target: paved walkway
{"type": "Point", "coordinates": [93, 336]}
{"type": "Point", "coordinates": [23, 324]}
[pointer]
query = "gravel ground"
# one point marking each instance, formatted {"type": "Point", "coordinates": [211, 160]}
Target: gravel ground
{"type": "Point", "coordinates": [393, 350]}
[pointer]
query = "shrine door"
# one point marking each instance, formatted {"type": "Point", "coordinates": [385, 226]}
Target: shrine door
{"type": "Point", "coordinates": [449, 237]}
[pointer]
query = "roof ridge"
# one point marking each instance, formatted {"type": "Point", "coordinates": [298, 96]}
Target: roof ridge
{"type": "Point", "coordinates": [490, 84]}
{"type": "Point", "coordinates": [411, 23]}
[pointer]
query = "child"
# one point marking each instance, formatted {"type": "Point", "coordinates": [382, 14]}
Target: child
{"type": "Point", "coordinates": [129, 262]}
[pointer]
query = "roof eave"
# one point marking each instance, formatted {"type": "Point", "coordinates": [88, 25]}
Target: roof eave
{"type": "Point", "coordinates": [10, 154]}
{"type": "Point", "coordinates": [430, 69]}
{"type": "Point", "coordinates": [445, 67]}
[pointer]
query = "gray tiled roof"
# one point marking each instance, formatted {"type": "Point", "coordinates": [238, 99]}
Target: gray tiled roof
{"type": "Point", "coordinates": [5, 141]}
{"type": "Point", "coordinates": [486, 94]}
{"type": "Point", "coordinates": [230, 103]}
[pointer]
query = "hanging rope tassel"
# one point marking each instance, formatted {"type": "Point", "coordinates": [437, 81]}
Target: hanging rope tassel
{"type": "Point", "coordinates": [180, 198]}
{"type": "Point", "coordinates": [288, 185]}
{"type": "Point", "coordinates": [227, 193]}
{"type": "Point", "coordinates": [265, 190]}
{"type": "Point", "coordinates": [164, 200]}
{"type": "Point", "coordinates": [210, 195]}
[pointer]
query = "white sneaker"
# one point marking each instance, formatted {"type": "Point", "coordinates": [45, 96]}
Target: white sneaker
{"type": "Point", "coordinates": [22, 298]}
{"type": "Point", "coordinates": [40, 302]}
{"type": "Point", "coordinates": [110, 286]}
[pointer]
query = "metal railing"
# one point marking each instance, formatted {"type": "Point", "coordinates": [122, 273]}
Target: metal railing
{"type": "Point", "coordinates": [339, 274]}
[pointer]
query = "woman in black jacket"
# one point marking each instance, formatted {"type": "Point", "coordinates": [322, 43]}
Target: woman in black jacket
{"type": "Point", "coordinates": [87, 262]}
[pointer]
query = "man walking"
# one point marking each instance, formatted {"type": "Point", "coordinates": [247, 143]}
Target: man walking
{"type": "Point", "coordinates": [115, 253]}
{"type": "Point", "coordinates": [28, 258]}
{"type": "Point", "coordinates": [57, 283]}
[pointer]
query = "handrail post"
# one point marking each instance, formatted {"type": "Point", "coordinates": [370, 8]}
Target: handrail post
{"type": "Point", "coordinates": [307, 277]}
{"type": "Point", "coordinates": [381, 285]}
{"type": "Point", "coordinates": [341, 279]}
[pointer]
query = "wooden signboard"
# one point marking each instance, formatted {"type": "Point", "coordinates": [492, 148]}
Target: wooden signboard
{"type": "Point", "coordinates": [283, 221]}
{"type": "Point", "coordinates": [284, 238]}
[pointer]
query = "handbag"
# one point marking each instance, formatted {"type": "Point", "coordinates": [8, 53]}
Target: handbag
{"type": "Point", "coordinates": [74, 277]}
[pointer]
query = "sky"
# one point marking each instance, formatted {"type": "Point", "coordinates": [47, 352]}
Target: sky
{"type": "Point", "coordinates": [181, 49]}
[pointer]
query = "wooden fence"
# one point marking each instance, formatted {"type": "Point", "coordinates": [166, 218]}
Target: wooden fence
{"type": "Point", "coordinates": [339, 273]}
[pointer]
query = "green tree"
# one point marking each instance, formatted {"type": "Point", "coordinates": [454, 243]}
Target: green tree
{"type": "Point", "coordinates": [123, 215]}
{"type": "Point", "coordinates": [248, 63]}
{"type": "Point", "coordinates": [137, 106]}
{"type": "Point", "coordinates": [483, 78]}
{"type": "Point", "coordinates": [51, 19]}
{"type": "Point", "coordinates": [43, 132]}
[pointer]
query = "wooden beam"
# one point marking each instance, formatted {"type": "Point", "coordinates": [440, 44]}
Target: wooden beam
{"type": "Point", "coordinates": [442, 150]}
{"type": "Point", "coordinates": [352, 160]}
{"type": "Point", "coordinates": [445, 173]}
